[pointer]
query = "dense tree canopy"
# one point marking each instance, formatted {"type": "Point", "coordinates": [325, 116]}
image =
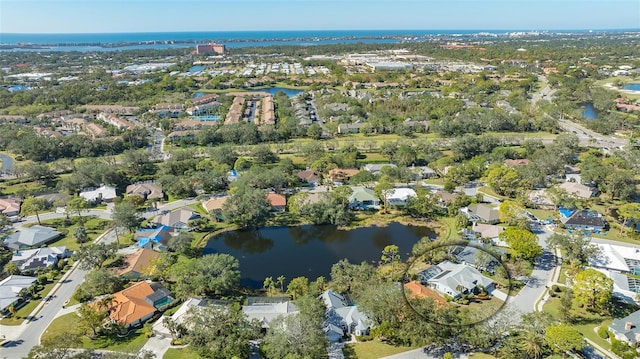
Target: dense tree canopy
{"type": "Point", "coordinates": [209, 275]}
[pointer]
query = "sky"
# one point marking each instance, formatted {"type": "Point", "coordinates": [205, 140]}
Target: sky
{"type": "Point", "coordinates": [100, 16]}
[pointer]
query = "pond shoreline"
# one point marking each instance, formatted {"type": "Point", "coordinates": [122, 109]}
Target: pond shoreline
{"type": "Point", "coordinates": [304, 249]}
{"type": "Point", "coordinates": [369, 221]}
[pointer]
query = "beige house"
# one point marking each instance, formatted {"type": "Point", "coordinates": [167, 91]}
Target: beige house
{"type": "Point", "coordinates": [577, 190]}
{"type": "Point", "coordinates": [146, 190]}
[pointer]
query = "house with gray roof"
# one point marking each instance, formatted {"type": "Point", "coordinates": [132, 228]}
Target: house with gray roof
{"type": "Point", "coordinates": [343, 317]}
{"type": "Point", "coordinates": [178, 219]}
{"type": "Point", "coordinates": [457, 279]}
{"type": "Point", "coordinates": [482, 213]}
{"type": "Point", "coordinates": [583, 219]}
{"type": "Point", "coordinates": [34, 236]}
{"type": "Point", "coordinates": [266, 311]}
{"type": "Point", "coordinates": [626, 329]}
{"type": "Point", "coordinates": [469, 255]}
{"type": "Point", "coordinates": [363, 198]}
{"type": "Point", "coordinates": [11, 288]}
{"type": "Point", "coordinates": [423, 172]}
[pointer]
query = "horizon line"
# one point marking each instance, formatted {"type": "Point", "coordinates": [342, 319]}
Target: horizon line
{"type": "Point", "coordinates": [632, 29]}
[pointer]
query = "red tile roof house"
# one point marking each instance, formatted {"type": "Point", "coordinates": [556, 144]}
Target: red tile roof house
{"type": "Point", "coordinates": [278, 202]}
{"type": "Point", "coordinates": [138, 303]}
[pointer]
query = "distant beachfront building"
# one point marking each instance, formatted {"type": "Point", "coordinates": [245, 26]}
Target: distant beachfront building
{"type": "Point", "coordinates": [210, 49]}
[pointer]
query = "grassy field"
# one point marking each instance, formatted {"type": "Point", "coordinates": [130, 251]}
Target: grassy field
{"type": "Point", "coordinates": [371, 350]}
{"type": "Point", "coordinates": [450, 232]}
{"type": "Point", "coordinates": [626, 80]}
{"type": "Point", "coordinates": [481, 356]}
{"type": "Point", "coordinates": [184, 353]}
{"type": "Point", "coordinates": [93, 226]}
{"type": "Point", "coordinates": [68, 323]}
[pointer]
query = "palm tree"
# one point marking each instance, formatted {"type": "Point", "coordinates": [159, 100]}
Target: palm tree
{"type": "Point", "coordinates": [268, 284]}
{"type": "Point", "coordinates": [12, 309]}
{"type": "Point", "coordinates": [532, 344]}
{"type": "Point", "coordinates": [104, 304]}
{"type": "Point", "coordinates": [33, 205]}
{"type": "Point", "coordinates": [280, 282]}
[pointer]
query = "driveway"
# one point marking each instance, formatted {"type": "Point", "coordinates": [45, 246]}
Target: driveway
{"type": "Point", "coordinates": [525, 300]}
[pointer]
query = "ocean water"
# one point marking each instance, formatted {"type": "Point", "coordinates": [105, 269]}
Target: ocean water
{"type": "Point", "coordinates": [229, 36]}
{"type": "Point", "coordinates": [168, 40]}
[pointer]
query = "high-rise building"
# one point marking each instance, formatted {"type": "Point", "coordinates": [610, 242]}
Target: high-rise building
{"type": "Point", "coordinates": [210, 49]}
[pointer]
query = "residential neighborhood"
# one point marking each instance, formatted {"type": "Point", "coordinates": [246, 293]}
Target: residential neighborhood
{"type": "Point", "coordinates": [339, 194]}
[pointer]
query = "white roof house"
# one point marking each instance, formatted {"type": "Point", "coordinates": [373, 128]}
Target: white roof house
{"type": "Point", "coordinates": [375, 168]}
{"type": "Point", "coordinates": [616, 257]}
{"type": "Point", "coordinates": [11, 287]}
{"type": "Point", "coordinates": [399, 196]}
{"type": "Point", "coordinates": [266, 312]}
{"type": "Point", "coordinates": [102, 193]}
{"type": "Point", "coordinates": [178, 317]}
{"type": "Point", "coordinates": [456, 279]}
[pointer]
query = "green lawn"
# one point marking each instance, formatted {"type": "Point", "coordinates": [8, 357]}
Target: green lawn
{"type": "Point", "coordinates": [450, 227]}
{"type": "Point", "coordinates": [585, 323]}
{"type": "Point", "coordinates": [481, 356]}
{"type": "Point", "coordinates": [199, 209]}
{"type": "Point", "coordinates": [93, 226]}
{"type": "Point", "coordinates": [588, 330]}
{"type": "Point", "coordinates": [541, 213]}
{"type": "Point", "coordinates": [562, 278]}
{"type": "Point", "coordinates": [68, 323]}
{"type": "Point", "coordinates": [371, 350]}
{"type": "Point", "coordinates": [184, 353]}
{"type": "Point", "coordinates": [490, 192]}
{"type": "Point", "coordinates": [24, 312]}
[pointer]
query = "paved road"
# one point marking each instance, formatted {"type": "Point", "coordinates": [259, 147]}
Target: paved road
{"type": "Point", "coordinates": [590, 138]}
{"type": "Point", "coordinates": [7, 164]}
{"type": "Point", "coordinates": [525, 300]}
{"type": "Point", "coordinates": [545, 92]}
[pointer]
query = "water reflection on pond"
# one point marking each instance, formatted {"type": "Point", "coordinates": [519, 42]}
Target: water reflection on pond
{"type": "Point", "coordinates": [309, 250]}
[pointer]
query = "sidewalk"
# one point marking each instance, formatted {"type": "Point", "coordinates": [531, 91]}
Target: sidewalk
{"type": "Point", "coordinates": [601, 350]}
